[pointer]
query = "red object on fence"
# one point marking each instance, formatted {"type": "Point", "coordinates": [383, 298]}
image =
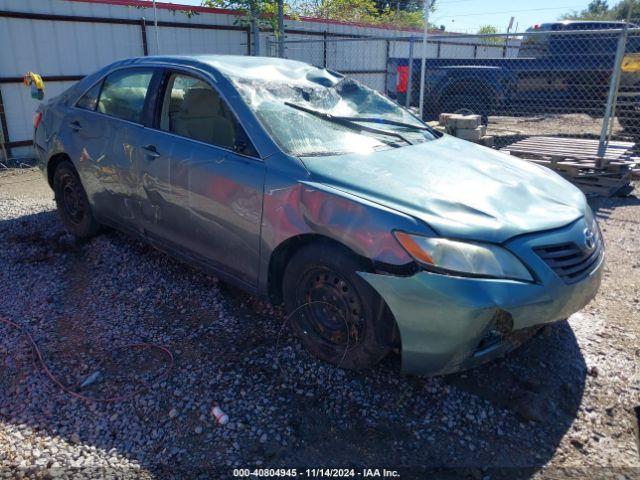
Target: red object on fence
{"type": "Point", "coordinates": [403, 79]}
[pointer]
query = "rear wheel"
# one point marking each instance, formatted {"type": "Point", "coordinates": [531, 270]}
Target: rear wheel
{"type": "Point", "coordinates": [628, 104]}
{"type": "Point", "coordinates": [337, 315]}
{"type": "Point", "coordinates": [629, 120]}
{"type": "Point", "coordinates": [72, 202]}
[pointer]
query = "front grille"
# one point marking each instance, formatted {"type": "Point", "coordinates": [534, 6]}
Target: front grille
{"type": "Point", "coordinates": [569, 261]}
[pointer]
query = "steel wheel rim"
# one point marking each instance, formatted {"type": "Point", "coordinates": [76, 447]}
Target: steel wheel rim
{"type": "Point", "coordinates": [333, 312]}
{"type": "Point", "coordinates": [72, 199]}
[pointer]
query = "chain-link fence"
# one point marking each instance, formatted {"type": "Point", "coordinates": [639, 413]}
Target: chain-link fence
{"type": "Point", "coordinates": [562, 79]}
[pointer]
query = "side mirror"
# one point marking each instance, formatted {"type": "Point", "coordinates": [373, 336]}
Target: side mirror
{"type": "Point", "coordinates": [239, 146]}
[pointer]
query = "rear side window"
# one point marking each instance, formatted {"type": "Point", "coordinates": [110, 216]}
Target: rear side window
{"type": "Point", "coordinates": [89, 100]}
{"type": "Point", "coordinates": [123, 94]}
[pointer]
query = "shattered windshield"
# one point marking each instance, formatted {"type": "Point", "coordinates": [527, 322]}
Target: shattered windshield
{"type": "Point", "coordinates": [294, 111]}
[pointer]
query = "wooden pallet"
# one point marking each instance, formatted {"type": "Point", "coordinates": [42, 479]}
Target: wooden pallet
{"type": "Point", "coordinates": [577, 160]}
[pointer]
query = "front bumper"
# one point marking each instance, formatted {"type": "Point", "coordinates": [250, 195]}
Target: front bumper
{"type": "Point", "coordinates": [443, 320]}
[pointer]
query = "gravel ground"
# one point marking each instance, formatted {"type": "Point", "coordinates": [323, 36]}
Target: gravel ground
{"type": "Point", "coordinates": [560, 406]}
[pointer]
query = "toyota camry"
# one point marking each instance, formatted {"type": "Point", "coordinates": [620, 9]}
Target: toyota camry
{"type": "Point", "coordinates": [305, 186]}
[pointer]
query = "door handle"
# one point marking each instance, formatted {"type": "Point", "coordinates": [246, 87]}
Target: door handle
{"type": "Point", "coordinates": [151, 151]}
{"type": "Point", "coordinates": [75, 125]}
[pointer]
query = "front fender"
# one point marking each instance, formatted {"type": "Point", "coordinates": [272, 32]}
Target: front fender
{"type": "Point", "coordinates": [305, 207]}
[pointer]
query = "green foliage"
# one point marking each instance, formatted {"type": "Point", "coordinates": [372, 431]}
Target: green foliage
{"type": "Point", "coordinates": [402, 19]}
{"type": "Point", "coordinates": [620, 10]}
{"type": "Point", "coordinates": [599, 10]}
{"type": "Point", "coordinates": [598, 7]}
{"type": "Point", "coordinates": [398, 13]}
{"type": "Point", "coordinates": [188, 13]}
{"type": "Point", "coordinates": [265, 12]}
{"type": "Point", "coordinates": [402, 5]}
{"type": "Point", "coordinates": [596, 10]}
{"type": "Point", "coordinates": [406, 14]}
{"type": "Point", "coordinates": [347, 10]}
{"type": "Point", "coordinates": [487, 30]}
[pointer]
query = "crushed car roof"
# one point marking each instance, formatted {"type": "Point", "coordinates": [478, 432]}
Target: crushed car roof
{"type": "Point", "coordinates": [259, 68]}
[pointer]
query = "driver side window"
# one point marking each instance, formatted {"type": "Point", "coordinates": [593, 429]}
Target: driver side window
{"type": "Point", "coordinates": [193, 109]}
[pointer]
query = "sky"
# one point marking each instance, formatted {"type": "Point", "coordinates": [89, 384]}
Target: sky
{"type": "Point", "coordinates": [468, 15]}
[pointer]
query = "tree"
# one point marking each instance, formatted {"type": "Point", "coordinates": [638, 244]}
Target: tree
{"type": "Point", "coordinates": [402, 19]}
{"type": "Point", "coordinates": [363, 11]}
{"type": "Point", "coordinates": [262, 10]}
{"type": "Point", "coordinates": [399, 5]}
{"type": "Point", "coordinates": [254, 13]}
{"type": "Point", "coordinates": [599, 10]}
{"type": "Point", "coordinates": [596, 10]}
{"type": "Point", "coordinates": [263, 13]}
{"type": "Point", "coordinates": [399, 13]}
{"type": "Point", "coordinates": [487, 30]}
{"type": "Point", "coordinates": [620, 11]}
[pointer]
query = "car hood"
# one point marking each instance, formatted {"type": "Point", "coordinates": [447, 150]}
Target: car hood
{"type": "Point", "coordinates": [461, 190]}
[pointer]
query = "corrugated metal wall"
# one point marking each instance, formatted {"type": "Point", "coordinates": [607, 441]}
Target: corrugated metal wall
{"type": "Point", "coordinates": [64, 40]}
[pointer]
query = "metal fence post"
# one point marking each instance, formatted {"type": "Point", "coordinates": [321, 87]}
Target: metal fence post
{"type": "Point", "coordinates": [324, 49]}
{"type": "Point", "coordinates": [155, 27]}
{"type": "Point", "coordinates": [255, 34]}
{"type": "Point", "coordinates": [423, 60]}
{"type": "Point", "coordinates": [612, 96]}
{"type": "Point", "coordinates": [4, 131]}
{"type": "Point", "coordinates": [410, 73]}
{"type": "Point", "coordinates": [143, 33]}
{"type": "Point", "coordinates": [281, 28]}
{"type": "Point", "coordinates": [386, 68]}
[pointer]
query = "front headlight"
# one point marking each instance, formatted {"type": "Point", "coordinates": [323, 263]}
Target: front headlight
{"type": "Point", "coordinates": [481, 259]}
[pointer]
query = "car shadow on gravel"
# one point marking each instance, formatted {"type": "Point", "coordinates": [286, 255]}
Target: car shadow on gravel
{"type": "Point", "coordinates": [85, 300]}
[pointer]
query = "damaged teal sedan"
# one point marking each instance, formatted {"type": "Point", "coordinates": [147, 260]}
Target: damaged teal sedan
{"type": "Point", "coordinates": [300, 184]}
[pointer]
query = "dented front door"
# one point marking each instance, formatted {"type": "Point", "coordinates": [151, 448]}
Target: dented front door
{"type": "Point", "coordinates": [203, 199]}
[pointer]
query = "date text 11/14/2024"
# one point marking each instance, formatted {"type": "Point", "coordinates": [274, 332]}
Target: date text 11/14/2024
{"type": "Point", "coordinates": [315, 473]}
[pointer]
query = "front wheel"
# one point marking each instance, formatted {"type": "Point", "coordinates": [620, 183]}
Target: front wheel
{"type": "Point", "coordinates": [337, 315]}
{"type": "Point", "coordinates": [72, 202]}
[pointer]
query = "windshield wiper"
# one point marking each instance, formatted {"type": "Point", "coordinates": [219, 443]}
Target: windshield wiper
{"type": "Point", "coordinates": [385, 121]}
{"type": "Point", "coordinates": [347, 122]}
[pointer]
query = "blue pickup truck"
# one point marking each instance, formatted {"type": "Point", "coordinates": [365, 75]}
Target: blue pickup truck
{"type": "Point", "coordinates": [561, 67]}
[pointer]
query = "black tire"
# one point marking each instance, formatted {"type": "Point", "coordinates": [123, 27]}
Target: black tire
{"type": "Point", "coordinates": [629, 119]}
{"type": "Point", "coordinates": [460, 100]}
{"type": "Point", "coordinates": [72, 202]}
{"type": "Point", "coordinates": [338, 316]}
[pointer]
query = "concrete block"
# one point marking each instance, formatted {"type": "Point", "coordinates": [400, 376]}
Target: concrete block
{"type": "Point", "coordinates": [486, 140]}
{"type": "Point", "coordinates": [464, 121]}
{"type": "Point", "coordinates": [444, 118]}
{"type": "Point", "coordinates": [472, 134]}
